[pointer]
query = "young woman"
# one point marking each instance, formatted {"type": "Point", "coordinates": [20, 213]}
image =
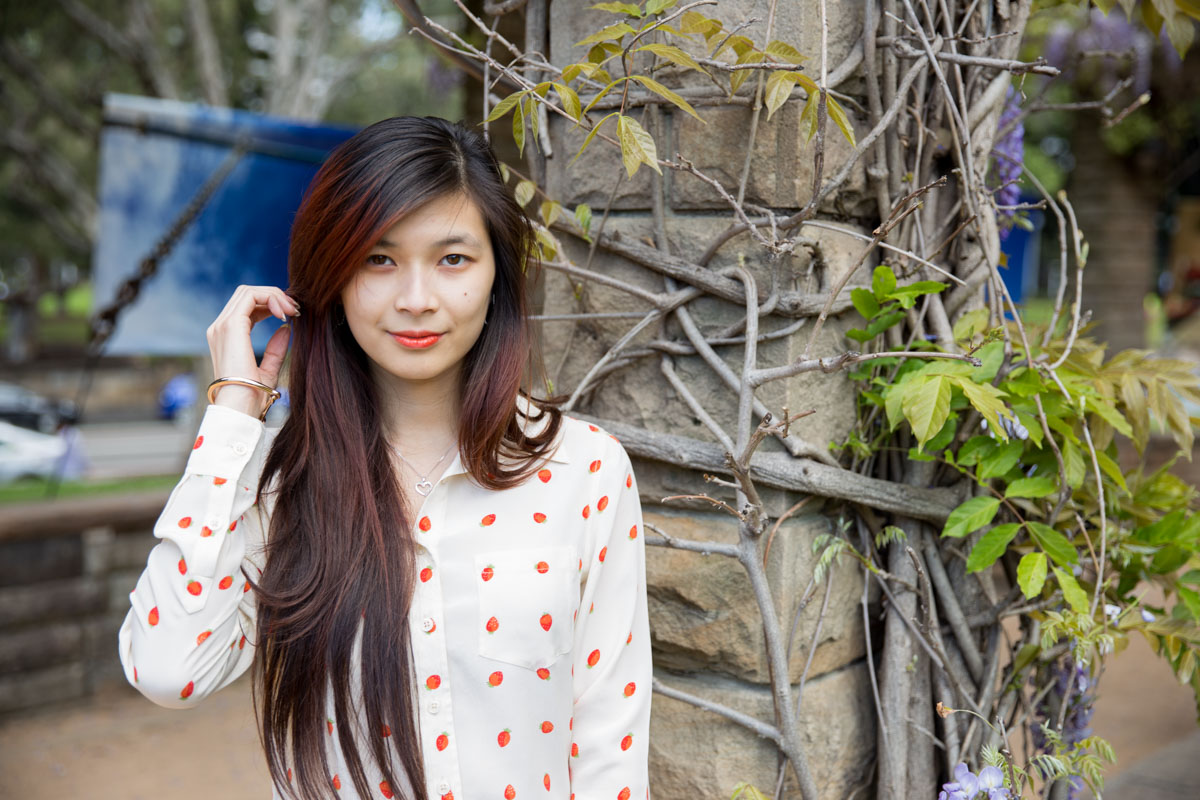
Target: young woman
{"type": "Point", "coordinates": [440, 583]}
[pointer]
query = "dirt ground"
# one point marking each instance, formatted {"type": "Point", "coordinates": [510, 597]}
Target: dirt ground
{"type": "Point", "coordinates": [120, 746]}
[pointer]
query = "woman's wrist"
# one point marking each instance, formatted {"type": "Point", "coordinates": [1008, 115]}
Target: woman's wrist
{"type": "Point", "coordinates": [245, 399]}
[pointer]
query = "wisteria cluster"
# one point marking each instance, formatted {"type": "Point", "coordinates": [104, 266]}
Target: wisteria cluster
{"type": "Point", "coordinates": [1009, 155]}
{"type": "Point", "coordinates": [989, 784]}
{"type": "Point", "coordinates": [1077, 721]}
{"type": "Point", "coordinates": [1105, 33]}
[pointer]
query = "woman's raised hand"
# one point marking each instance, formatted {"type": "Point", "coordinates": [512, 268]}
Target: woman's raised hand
{"type": "Point", "coordinates": [232, 352]}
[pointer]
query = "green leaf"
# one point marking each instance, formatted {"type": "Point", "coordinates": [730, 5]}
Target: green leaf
{"type": "Point", "coordinates": [864, 302]}
{"type": "Point", "coordinates": [666, 93]}
{"type": "Point", "coordinates": [970, 516]}
{"type": "Point", "coordinates": [1054, 543]}
{"type": "Point", "coordinates": [859, 335]}
{"type": "Point", "coordinates": [883, 282]}
{"type": "Point", "coordinates": [907, 295]}
{"type": "Point", "coordinates": [1000, 460]}
{"type": "Point", "coordinates": [505, 105]}
{"type": "Point", "coordinates": [674, 55]}
{"type": "Point", "coordinates": [524, 192]}
{"type": "Point", "coordinates": [1031, 574]}
{"type": "Point", "coordinates": [927, 407]}
{"type": "Point", "coordinates": [991, 546]}
{"type": "Point", "coordinates": [605, 34]}
{"type": "Point", "coordinates": [637, 146]}
{"type": "Point", "coordinates": [975, 449]}
{"type": "Point", "coordinates": [944, 436]}
{"type": "Point", "coordinates": [583, 215]}
{"type": "Point", "coordinates": [808, 118]}
{"type": "Point", "coordinates": [783, 51]}
{"type": "Point", "coordinates": [1072, 593]}
{"type": "Point", "coordinates": [1073, 461]}
{"type": "Point", "coordinates": [519, 129]}
{"type": "Point", "coordinates": [985, 398]}
{"type": "Point", "coordinates": [1039, 486]}
{"type": "Point", "coordinates": [778, 90]}
{"type": "Point", "coordinates": [569, 100]}
{"type": "Point", "coordinates": [550, 211]}
{"type": "Point", "coordinates": [656, 6]}
{"type": "Point", "coordinates": [1191, 600]}
{"type": "Point", "coordinates": [619, 8]}
{"type": "Point", "coordinates": [608, 88]}
{"type": "Point", "coordinates": [970, 324]}
{"type": "Point", "coordinates": [587, 140]}
{"type": "Point", "coordinates": [838, 115]}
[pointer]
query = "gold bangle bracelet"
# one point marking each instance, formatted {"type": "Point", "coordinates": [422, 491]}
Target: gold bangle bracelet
{"type": "Point", "coordinates": [271, 391]}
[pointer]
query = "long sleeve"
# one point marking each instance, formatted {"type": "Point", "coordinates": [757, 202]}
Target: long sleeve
{"type": "Point", "coordinates": [190, 628]}
{"type": "Point", "coordinates": [612, 662]}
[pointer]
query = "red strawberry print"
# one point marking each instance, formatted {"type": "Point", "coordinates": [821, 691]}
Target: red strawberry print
{"type": "Point", "coordinates": [135, 677]}
{"type": "Point", "coordinates": [581, 564]}
{"type": "Point", "coordinates": [202, 637]}
{"type": "Point", "coordinates": [495, 678]}
{"type": "Point", "coordinates": [433, 681]}
{"type": "Point", "coordinates": [627, 742]}
{"type": "Point", "coordinates": [432, 627]}
{"type": "Point", "coordinates": [185, 521]}
{"type": "Point", "coordinates": [152, 617]}
{"type": "Point", "coordinates": [387, 731]}
{"type": "Point", "coordinates": [593, 428]}
{"type": "Point", "coordinates": [633, 532]}
{"type": "Point", "coordinates": [593, 657]}
{"type": "Point", "coordinates": [289, 774]}
{"type": "Point", "coordinates": [492, 625]}
{"type": "Point", "coordinates": [586, 511]}
{"type": "Point", "coordinates": [547, 726]}
{"type": "Point", "coordinates": [546, 781]}
{"type": "Point", "coordinates": [226, 582]}
{"type": "Point", "coordinates": [603, 553]}
{"type": "Point", "coordinates": [504, 737]}
{"type": "Point", "coordinates": [426, 574]}
{"type": "Point", "coordinates": [442, 741]}
{"type": "Point", "coordinates": [337, 782]}
{"type": "Point", "coordinates": [447, 796]}
{"type": "Point", "coordinates": [623, 794]}
{"type": "Point", "coordinates": [630, 688]}
{"type": "Point", "coordinates": [602, 503]}
{"type": "Point", "coordinates": [487, 520]}
{"type": "Point", "coordinates": [595, 465]}
{"type": "Point", "coordinates": [187, 690]}
{"type": "Point", "coordinates": [194, 587]}
{"type": "Point", "coordinates": [329, 725]}
{"type": "Point", "coordinates": [206, 531]}
{"type": "Point", "coordinates": [542, 567]}
{"type": "Point", "coordinates": [242, 642]}
{"type": "Point", "coordinates": [629, 638]}
{"type": "Point", "coordinates": [182, 567]}
{"type": "Point", "coordinates": [199, 441]}
{"type": "Point", "coordinates": [544, 475]}
{"type": "Point", "coordinates": [509, 792]}
{"type": "Point", "coordinates": [571, 722]}
{"type": "Point", "coordinates": [629, 481]}
{"type": "Point", "coordinates": [543, 673]}
{"type": "Point", "coordinates": [539, 516]}
{"type": "Point", "coordinates": [246, 588]}
{"type": "Point", "coordinates": [384, 789]}
{"type": "Point", "coordinates": [487, 573]}
{"type": "Point", "coordinates": [545, 622]}
{"type": "Point", "coordinates": [424, 524]}
{"type": "Point", "coordinates": [220, 481]}
{"type": "Point", "coordinates": [574, 749]}
{"type": "Point", "coordinates": [232, 525]}
{"type": "Point", "coordinates": [592, 607]}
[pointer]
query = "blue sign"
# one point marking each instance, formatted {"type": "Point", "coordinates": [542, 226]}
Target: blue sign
{"type": "Point", "coordinates": [154, 157]}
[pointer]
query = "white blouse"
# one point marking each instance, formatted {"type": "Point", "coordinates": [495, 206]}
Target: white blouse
{"type": "Point", "coordinates": [529, 627]}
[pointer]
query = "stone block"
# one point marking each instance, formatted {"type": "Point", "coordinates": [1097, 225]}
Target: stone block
{"type": "Point", "coordinates": [42, 687]}
{"type": "Point", "coordinates": [698, 755]}
{"type": "Point", "coordinates": [703, 613]}
{"type": "Point", "coordinates": [50, 601]}
{"type": "Point", "coordinates": [40, 646]}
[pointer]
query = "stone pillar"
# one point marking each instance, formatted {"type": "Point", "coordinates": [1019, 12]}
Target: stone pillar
{"type": "Point", "coordinates": [705, 624]}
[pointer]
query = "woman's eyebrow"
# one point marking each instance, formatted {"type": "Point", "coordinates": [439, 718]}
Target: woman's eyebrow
{"type": "Point", "coordinates": [457, 238]}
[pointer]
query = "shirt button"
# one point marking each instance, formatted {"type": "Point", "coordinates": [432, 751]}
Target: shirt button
{"type": "Point", "coordinates": [240, 448]}
{"type": "Point", "coordinates": [443, 787]}
{"type": "Point", "coordinates": [433, 706]}
{"type": "Point", "coordinates": [427, 624]}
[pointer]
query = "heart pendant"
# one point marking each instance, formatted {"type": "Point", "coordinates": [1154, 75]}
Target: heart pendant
{"type": "Point", "coordinates": [424, 486]}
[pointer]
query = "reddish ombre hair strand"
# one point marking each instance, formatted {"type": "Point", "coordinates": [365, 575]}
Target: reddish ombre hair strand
{"type": "Point", "coordinates": [340, 551]}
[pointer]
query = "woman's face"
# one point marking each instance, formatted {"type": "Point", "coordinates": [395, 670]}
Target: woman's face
{"type": "Point", "coordinates": [432, 272]}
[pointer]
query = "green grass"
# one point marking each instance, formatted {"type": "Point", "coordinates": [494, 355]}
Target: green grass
{"type": "Point", "coordinates": [34, 489]}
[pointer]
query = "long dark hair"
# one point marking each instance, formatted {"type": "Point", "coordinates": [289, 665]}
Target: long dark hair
{"type": "Point", "coordinates": [340, 549]}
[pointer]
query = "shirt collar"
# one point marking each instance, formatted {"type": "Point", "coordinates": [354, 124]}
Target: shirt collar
{"type": "Point", "coordinates": [561, 454]}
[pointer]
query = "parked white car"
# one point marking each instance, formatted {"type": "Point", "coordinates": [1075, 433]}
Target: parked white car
{"type": "Point", "coordinates": [28, 453]}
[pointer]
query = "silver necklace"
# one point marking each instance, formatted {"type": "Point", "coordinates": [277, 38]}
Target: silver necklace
{"type": "Point", "coordinates": [423, 485]}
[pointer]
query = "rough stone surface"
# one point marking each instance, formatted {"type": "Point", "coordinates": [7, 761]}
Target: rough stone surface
{"type": "Point", "coordinates": [703, 614]}
{"type": "Point", "coordinates": [696, 754]}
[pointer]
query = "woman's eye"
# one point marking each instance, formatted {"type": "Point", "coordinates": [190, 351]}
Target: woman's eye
{"type": "Point", "coordinates": [459, 256]}
{"type": "Point", "coordinates": [371, 259]}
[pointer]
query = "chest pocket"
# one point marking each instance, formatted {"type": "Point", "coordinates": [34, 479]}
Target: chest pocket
{"type": "Point", "coordinates": [527, 601]}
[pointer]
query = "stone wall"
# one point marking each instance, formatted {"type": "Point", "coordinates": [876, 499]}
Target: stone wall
{"type": "Point", "coordinates": [705, 625]}
{"type": "Point", "coordinates": [64, 591]}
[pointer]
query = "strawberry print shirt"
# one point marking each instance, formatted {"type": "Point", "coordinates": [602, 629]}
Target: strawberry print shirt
{"type": "Point", "coordinates": [529, 626]}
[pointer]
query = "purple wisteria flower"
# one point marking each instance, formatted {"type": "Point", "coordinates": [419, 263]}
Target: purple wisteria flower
{"type": "Point", "coordinates": [1076, 722]}
{"type": "Point", "coordinates": [989, 784]}
{"type": "Point", "coordinates": [1009, 155]}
